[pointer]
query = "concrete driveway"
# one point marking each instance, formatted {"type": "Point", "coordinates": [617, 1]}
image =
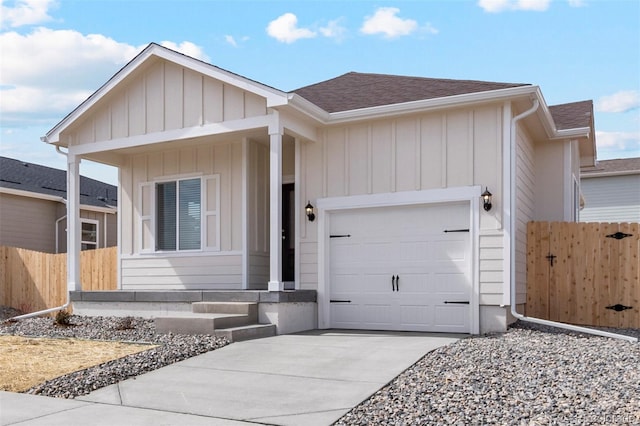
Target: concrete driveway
{"type": "Point", "coordinates": [310, 378]}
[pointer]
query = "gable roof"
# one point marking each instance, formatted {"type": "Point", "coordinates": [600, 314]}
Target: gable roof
{"type": "Point", "coordinates": [620, 166]}
{"type": "Point", "coordinates": [273, 96]}
{"type": "Point", "coordinates": [572, 115]}
{"type": "Point", "coordinates": [23, 176]}
{"type": "Point", "coordinates": [354, 90]}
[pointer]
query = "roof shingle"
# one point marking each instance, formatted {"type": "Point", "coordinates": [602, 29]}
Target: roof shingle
{"type": "Point", "coordinates": [16, 174]}
{"type": "Point", "coordinates": [572, 115]}
{"type": "Point", "coordinates": [360, 90]}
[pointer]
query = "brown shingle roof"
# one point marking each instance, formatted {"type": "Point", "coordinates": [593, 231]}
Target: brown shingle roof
{"type": "Point", "coordinates": [620, 165]}
{"type": "Point", "coordinates": [357, 90]}
{"type": "Point", "coordinates": [572, 115]}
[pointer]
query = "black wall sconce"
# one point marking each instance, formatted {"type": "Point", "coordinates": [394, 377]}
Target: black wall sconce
{"type": "Point", "coordinates": [486, 198]}
{"type": "Point", "coordinates": [309, 211]}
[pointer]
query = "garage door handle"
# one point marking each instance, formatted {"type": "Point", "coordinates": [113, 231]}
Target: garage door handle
{"type": "Point", "coordinates": [395, 283]}
{"type": "Point", "coordinates": [340, 236]}
{"type": "Point", "coordinates": [455, 230]}
{"type": "Point", "coordinates": [339, 301]}
{"type": "Point", "coordinates": [457, 302]}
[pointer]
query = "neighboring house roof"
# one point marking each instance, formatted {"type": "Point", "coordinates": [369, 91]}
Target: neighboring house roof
{"type": "Point", "coordinates": [621, 166]}
{"type": "Point", "coordinates": [23, 176]}
{"type": "Point", "coordinates": [572, 115]}
{"type": "Point", "coordinates": [354, 90]}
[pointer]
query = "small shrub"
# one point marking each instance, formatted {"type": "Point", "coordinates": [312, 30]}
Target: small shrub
{"type": "Point", "coordinates": [125, 323]}
{"type": "Point", "coordinates": [63, 318]}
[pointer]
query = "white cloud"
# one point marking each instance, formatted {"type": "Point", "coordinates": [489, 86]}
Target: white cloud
{"type": "Point", "coordinates": [576, 3]}
{"type": "Point", "coordinates": [622, 101]}
{"type": "Point", "coordinates": [47, 73]}
{"type": "Point", "coordinates": [334, 30]}
{"type": "Point", "coordinates": [285, 29]}
{"type": "Point", "coordinates": [25, 12]}
{"type": "Point", "coordinates": [618, 144]}
{"type": "Point", "coordinates": [188, 48]}
{"type": "Point", "coordinates": [430, 29]}
{"type": "Point", "coordinates": [232, 41]}
{"type": "Point", "coordinates": [496, 6]}
{"type": "Point", "coordinates": [385, 21]}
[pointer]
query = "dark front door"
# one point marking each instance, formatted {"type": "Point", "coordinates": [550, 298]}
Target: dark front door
{"type": "Point", "coordinates": [288, 232]}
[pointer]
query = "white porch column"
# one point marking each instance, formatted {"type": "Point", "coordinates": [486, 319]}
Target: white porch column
{"type": "Point", "coordinates": [73, 223]}
{"type": "Point", "coordinates": [275, 210]}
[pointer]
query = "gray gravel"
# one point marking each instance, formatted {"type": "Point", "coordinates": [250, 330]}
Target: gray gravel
{"type": "Point", "coordinates": [529, 375]}
{"type": "Point", "coordinates": [172, 348]}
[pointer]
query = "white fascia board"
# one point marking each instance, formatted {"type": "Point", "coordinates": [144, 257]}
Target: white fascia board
{"type": "Point", "coordinates": [431, 104]}
{"type": "Point", "coordinates": [55, 198]}
{"type": "Point", "coordinates": [243, 124]}
{"type": "Point", "coordinates": [274, 97]}
{"type": "Point", "coordinates": [308, 108]}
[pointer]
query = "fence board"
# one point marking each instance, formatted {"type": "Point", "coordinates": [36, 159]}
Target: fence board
{"type": "Point", "coordinates": [32, 281]}
{"type": "Point", "coordinates": [590, 272]}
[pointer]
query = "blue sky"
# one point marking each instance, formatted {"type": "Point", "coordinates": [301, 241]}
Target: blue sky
{"type": "Point", "coordinates": [56, 53]}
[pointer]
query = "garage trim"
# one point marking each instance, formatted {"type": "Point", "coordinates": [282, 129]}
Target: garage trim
{"type": "Point", "coordinates": [327, 206]}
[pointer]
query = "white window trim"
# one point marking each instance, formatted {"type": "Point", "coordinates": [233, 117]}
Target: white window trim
{"type": "Point", "coordinates": [97, 225]}
{"type": "Point", "coordinates": [205, 180]}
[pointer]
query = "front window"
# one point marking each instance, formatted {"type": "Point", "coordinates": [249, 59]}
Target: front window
{"type": "Point", "coordinates": [178, 215]}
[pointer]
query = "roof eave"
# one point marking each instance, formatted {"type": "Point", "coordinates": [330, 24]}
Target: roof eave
{"type": "Point", "coordinates": [55, 198]}
{"type": "Point", "coordinates": [430, 104]}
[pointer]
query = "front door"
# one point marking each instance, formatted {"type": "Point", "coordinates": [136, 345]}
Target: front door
{"type": "Point", "coordinates": [288, 232]}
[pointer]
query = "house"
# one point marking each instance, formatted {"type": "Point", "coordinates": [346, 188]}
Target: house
{"type": "Point", "coordinates": [365, 188]}
{"type": "Point", "coordinates": [612, 191]}
{"type": "Point", "coordinates": [33, 212]}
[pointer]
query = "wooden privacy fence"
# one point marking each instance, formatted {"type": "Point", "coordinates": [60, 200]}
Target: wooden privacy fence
{"type": "Point", "coordinates": [32, 281]}
{"type": "Point", "coordinates": [584, 273]}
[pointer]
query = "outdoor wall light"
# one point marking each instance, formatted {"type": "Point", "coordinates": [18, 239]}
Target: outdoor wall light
{"type": "Point", "coordinates": [309, 211]}
{"type": "Point", "coordinates": [486, 198]}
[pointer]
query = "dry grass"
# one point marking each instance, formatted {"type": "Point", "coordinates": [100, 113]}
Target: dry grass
{"type": "Point", "coordinates": [25, 361]}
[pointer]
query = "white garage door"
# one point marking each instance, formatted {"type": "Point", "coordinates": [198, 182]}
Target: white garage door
{"type": "Point", "coordinates": [401, 268]}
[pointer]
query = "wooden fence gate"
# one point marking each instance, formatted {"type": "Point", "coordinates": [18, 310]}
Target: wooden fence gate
{"type": "Point", "coordinates": [584, 273]}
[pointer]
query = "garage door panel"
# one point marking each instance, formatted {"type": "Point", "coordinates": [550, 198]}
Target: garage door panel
{"type": "Point", "coordinates": [450, 284]}
{"type": "Point", "coordinates": [412, 316]}
{"type": "Point", "coordinates": [453, 318]}
{"type": "Point", "coordinates": [450, 250]}
{"type": "Point", "coordinates": [414, 251]}
{"type": "Point", "coordinates": [408, 242]}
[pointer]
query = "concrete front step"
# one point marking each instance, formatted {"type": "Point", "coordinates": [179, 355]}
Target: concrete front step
{"type": "Point", "coordinates": [247, 332]}
{"type": "Point", "coordinates": [199, 323]}
{"type": "Point", "coordinates": [243, 308]}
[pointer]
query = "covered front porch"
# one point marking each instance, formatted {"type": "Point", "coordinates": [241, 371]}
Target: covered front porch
{"type": "Point", "coordinates": [209, 176]}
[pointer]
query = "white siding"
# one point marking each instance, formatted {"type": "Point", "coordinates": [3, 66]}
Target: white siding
{"type": "Point", "coordinates": [611, 199]}
{"type": "Point", "coordinates": [428, 151]}
{"type": "Point", "coordinates": [164, 96]}
{"type": "Point", "coordinates": [202, 272]}
{"type": "Point", "coordinates": [525, 202]}
{"type": "Point", "coordinates": [257, 217]}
